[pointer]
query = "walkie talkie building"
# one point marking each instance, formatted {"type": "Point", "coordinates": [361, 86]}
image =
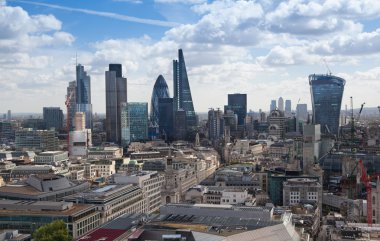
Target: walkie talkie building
{"type": "Point", "coordinates": [326, 98]}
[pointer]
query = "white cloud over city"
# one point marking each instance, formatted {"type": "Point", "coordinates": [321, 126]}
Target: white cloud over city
{"type": "Point", "coordinates": [262, 48]}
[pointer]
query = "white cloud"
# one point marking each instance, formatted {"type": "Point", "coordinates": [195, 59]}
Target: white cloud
{"type": "Point", "coordinates": [223, 22]}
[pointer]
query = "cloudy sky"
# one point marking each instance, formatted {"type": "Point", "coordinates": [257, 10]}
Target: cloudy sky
{"type": "Point", "coordinates": [265, 48]}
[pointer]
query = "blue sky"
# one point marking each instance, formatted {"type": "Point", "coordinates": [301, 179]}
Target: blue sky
{"type": "Point", "coordinates": [265, 48]}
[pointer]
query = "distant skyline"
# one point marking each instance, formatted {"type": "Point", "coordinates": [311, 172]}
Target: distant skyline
{"type": "Point", "coordinates": [265, 49]}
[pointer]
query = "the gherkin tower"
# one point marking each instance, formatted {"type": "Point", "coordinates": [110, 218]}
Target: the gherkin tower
{"type": "Point", "coordinates": [160, 90]}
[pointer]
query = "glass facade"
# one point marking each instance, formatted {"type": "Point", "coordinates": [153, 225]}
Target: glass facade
{"type": "Point", "coordinates": [160, 90]}
{"type": "Point", "coordinates": [83, 94]}
{"type": "Point", "coordinates": [238, 104]}
{"type": "Point", "coordinates": [182, 95]}
{"type": "Point", "coordinates": [166, 120]}
{"type": "Point", "coordinates": [326, 97]}
{"type": "Point", "coordinates": [138, 120]}
{"type": "Point", "coordinates": [53, 117]}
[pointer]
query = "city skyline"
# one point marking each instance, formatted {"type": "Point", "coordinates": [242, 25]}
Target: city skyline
{"type": "Point", "coordinates": [275, 62]}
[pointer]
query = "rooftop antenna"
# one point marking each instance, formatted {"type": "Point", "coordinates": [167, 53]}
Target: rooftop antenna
{"type": "Point", "coordinates": [76, 58]}
{"type": "Point", "coordinates": [327, 66]}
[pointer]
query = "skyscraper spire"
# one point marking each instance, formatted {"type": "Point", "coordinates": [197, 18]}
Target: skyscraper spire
{"type": "Point", "coordinates": [182, 94]}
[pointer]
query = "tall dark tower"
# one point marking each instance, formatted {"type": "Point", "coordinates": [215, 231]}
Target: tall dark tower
{"type": "Point", "coordinates": [326, 98]}
{"type": "Point", "coordinates": [238, 104]}
{"type": "Point", "coordinates": [182, 94]}
{"type": "Point", "coordinates": [160, 90]}
{"type": "Point", "coordinates": [116, 96]}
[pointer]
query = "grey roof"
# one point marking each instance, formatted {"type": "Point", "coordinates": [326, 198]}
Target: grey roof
{"type": "Point", "coordinates": [280, 232]}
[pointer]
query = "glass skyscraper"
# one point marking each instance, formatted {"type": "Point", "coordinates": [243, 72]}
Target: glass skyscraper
{"type": "Point", "coordinates": [238, 104]}
{"type": "Point", "coordinates": [166, 118]}
{"type": "Point", "coordinates": [182, 94]}
{"type": "Point", "coordinates": [138, 120]}
{"type": "Point", "coordinates": [116, 95]}
{"type": "Point", "coordinates": [83, 94]}
{"type": "Point", "coordinates": [160, 90]}
{"type": "Point", "coordinates": [326, 98]}
{"type": "Point", "coordinates": [53, 117]}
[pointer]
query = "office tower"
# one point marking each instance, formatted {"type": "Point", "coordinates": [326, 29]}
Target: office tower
{"type": "Point", "coordinates": [301, 112]}
{"type": "Point", "coordinates": [160, 90]}
{"type": "Point", "coordinates": [238, 104]}
{"type": "Point", "coordinates": [230, 120]}
{"type": "Point", "coordinates": [36, 140]}
{"type": "Point", "coordinates": [182, 94]}
{"type": "Point", "coordinates": [180, 127]}
{"type": "Point", "coordinates": [166, 118]}
{"type": "Point", "coordinates": [116, 94]}
{"type": "Point", "coordinates": [53, 117]}
{"type": "Point", "coordinates": [276, 121]}
{"type": "Point", "coordinates": [273, 105]}
{"type": "Point", "coordinates": [326, 98]}
{"type": "Point", "coordinates": [288, 107]}
{"type": "Point", "coordinates": [79, 121]}
{"type": "Point", "coordinates": [125, 127]}
{"type": "Point", "coordinates": [281, 104]}
{"type": "Point", "coordinates": [72, 108]}
{"type": "Point", "coordinates": [138, 120]}
{"type": "Point", "coordinates": [311, 145]}
{"type": "Point", "coordinates": [215, 124]}
{"type": "Point", "coordinates": [80, 137]}
{"type": "Point", "coordinates": [9, 115]}
{"type": "Point", "coordinates": [83, 94]}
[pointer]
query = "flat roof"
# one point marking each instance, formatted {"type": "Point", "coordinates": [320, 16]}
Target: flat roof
{"type": "Point", "coordinates": [76, 208]}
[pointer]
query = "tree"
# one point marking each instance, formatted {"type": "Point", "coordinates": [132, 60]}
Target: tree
{"type": "Point", "coordinates": [54, 231]}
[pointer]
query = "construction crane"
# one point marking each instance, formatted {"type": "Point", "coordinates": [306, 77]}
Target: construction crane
{"type": "Point", "coordinates": [68, 119]}
{"type": "Point", "coordinates": [327, 66]}
{"type": "Point", "coordinates": [364, 178]}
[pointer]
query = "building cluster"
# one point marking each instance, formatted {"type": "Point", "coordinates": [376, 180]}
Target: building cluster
{"type": "Point", "coordinates": [165, 172]}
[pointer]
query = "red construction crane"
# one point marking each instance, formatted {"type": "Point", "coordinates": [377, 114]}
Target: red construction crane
{"type": "Point", "coordinates": [364, 178]}
{"type": "Point", "coordinates": [68, 119]}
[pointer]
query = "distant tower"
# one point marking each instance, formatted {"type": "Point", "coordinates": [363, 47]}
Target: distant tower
{"type": "Point", "coordinates": [238, 104]}
{"type": "Point", "coordinates": [215, 124]}
{"type": "Point", "coordinates": [53, 117]}
{"type": "Point", "coordinates": [326, 98]}
{"type": "Point", "coordinates": [273, 105]}
{"type": "Point", "coordinates": [9, 115]}
{"type": "Point", "coordinates": [288, 107]}
{"type": "Point", "coordinates": [197, 141]}
{"type": "Point", "coordinates": [83, 94]}
{"type": "Point", "coordinates": [281, 104]}
{"type": "Point", "coordinates": [160, 90]}
{"type": "Point", "coordinates": [182, 95]}
{"type": "Point", "coordinates": [71, 92]}
{"type": "Point", "coordinates": [116, 95]}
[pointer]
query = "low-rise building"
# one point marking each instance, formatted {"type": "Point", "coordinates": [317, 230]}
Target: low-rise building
{"type": "Point", "coordinates": [113, 201]}
{"type": "Point", "coordinates": [302, 190]}
{"type": "Point", "coordinates": [150, 182]}
{"type": "Point", "coordinates": [27, 216]}
{"type": "Point", "coordinates": [51, 157]}
{"type": "Point", "coordinates": [40, 140]}
{"type": "Point", "coordinates": [108, 152]}
{"type": "Point", "coordinates": [43, 187]}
